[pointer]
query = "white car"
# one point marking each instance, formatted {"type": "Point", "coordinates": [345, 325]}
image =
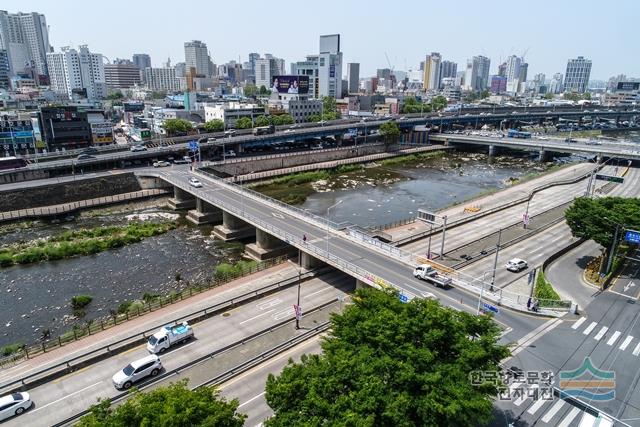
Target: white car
{"type": "Point", "coordinates": [14, 404]}
{"type": "Point", "coordinates": [149, 366]}
{"type": "Point", "coordinates": [194, 182]}
{"type": "Point", "coordinates": [161, 164]}
{"type": "Point", "coordinates": [135, 148]}
{"type": "Point", "coordinates": [516, 265]}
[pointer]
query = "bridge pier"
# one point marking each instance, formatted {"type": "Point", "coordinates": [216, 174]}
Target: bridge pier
{"type": "Point", "coordinates": [309, 262]}
{"type": "Point", "coordinates": [267, 246]}
{"type": "Point", "coordinates": [204, 213]}
{"type": "Point", "coordinates": [182, 200]}
{"type": "Point", "coordinates": [232, 228]}
{"type": "Point", "coordinates": [493, 150]}
{"type": "Point", "coordinates": [361, 285]}
{"type": "Point", "coordinates": [542, 155]}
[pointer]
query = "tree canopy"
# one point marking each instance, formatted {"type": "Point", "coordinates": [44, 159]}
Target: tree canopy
{"type": "Point", "coordinates": [175, 406]}
{"type": "Point", "coordinates": [244, 123]}
{"type": "Point", "coordinates": [215, 125]}
{"type": "Point", "coordinates": [264, 90]}
{"type": "Point", "coordinates": [390, 132]}
{"type": "Point", "coordinates": [329, 104]}
{"type": "Point", "coordinates": [439, 102]}
{"type": "Point", "coordinates": [386, 363]}
{"type": "Point", "coordinates": [177, 126]}
{"type": "Point", "coordinates": [250, 90]}
{"type": "Point", "coordinates": [262, 120]}
{"type": "Point", "coordinates": [596, 219]}
{"type": "Point", "coordinates": [412, 105]}
{"type": "Point", "coordinates": [117, 95]}
{"type": "Point", "coordinates": [282, 119]}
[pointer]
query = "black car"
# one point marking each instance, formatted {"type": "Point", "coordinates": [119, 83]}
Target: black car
{"type": "Point", "coordinates": [85, 157]}
{"type": "Point", "coordinates": [90, 150]}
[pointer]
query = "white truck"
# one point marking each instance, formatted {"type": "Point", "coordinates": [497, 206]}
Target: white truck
{"type": "Point", "coordinates": [168, 336]}
{"type": "Point", "coordinates": [431, 275]}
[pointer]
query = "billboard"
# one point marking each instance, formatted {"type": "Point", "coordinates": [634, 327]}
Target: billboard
{"type": "Point", "coordinates": [130, 107]}
{"type": "Point", "coordinates": [628, 86]}
{"type": "Point", "coordinates": [290, 84]}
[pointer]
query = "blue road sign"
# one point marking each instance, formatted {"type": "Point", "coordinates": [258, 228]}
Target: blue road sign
{"type": "Point", "coordinates": [193, 145]}
{"type": "Point", "coordinates": [489, 307]}
{"type": "Point", "coordinates": [632, 236]}
{"type": "Point", "coordinates": [403, 298]}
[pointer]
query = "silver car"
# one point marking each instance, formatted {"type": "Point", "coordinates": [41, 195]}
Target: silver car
{"type": "Point", "coordinates": [149, 366]}
{"type": "Point", "coordinates": [14, 404]}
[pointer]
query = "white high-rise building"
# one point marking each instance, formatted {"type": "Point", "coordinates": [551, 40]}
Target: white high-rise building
{"type": "Point", "coordinates": [431, 79]}
{"type": "Point", "coordinates": [266, 69]}
{"type": "Point", "coordinates": [477, 75]}
{"type": "Point", "coordinates": [72, 69]}
{"type": "Point", "coordinates": [577, 74]}
{"type": "Point", "coordinates": [161, 79]}
{"type": "Point", "coordinates": [25, 37]}
{"type": "Point", "coordinates": [196, 56]}
{"type": "Point", "coordinates": [330, 66]}
{"type": "Point", "coordinates": [556, 83]}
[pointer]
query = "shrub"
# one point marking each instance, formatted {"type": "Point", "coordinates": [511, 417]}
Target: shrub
{"type": "Point", "coordinates": [544, 292]}
{"type": "Point", "coordinates": [10, 349]}
{"type": "Point", "coordinates": [80, 301]}
{"type": "Point", "coordinates": [124, 307]}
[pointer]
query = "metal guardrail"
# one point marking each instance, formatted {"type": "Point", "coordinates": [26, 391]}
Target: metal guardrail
{"type": "Point", "coordinates": [120, 345]}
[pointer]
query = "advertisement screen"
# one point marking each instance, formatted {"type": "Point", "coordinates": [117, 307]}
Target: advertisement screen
{"type": "Point", "coordinates": [290, 84]}
{"type": "Point", "coordinates": [628, 85]}
{"type": "Point", "coordinates": [130, 107]}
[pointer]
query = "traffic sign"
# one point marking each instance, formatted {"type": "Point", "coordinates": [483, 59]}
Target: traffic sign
{"type": "Point", "coordinates": [193, 146]}
{"type": "Point", "coordinates": [525, 219]}
{"type": "Point", "coordinates": [610, 178]}
{"type": "Point", "coordinates": [403, 298]}
{"type": "Point", "coordinates": [426, 216]}
{"type": "Point", "coordinates": [298, 311]}
{"type": "Point", "coordinates": [632, 236]}
{"type": "Point", "coordinates": [489, 307]}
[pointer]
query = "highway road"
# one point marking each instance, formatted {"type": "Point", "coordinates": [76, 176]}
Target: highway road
{"type": "Point", "coordinates": [69, 395]}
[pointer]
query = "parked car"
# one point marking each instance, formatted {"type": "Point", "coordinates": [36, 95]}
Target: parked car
{"type": "Point", "coordinates": [14, 404]}
{"type": "Point", "coordinates": [516, 265]}
{"type": "Point", "coordinates": [195, 182]}
{"type": "Point", "coordinates": [161, 164]}
{"type": "Point", "coordinates": [135, 148]}
{"type": "Point", "coordinates": [137, 370]}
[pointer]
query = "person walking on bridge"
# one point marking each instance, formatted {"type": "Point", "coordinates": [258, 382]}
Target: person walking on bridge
{"type": "Point", "coordinates": [304, 238]}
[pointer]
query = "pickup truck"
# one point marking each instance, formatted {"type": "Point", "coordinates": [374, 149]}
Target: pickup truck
{"type": "Point", "coordinates": [431, 275]}
{"type": "Point", "coordinates": [168, 336]}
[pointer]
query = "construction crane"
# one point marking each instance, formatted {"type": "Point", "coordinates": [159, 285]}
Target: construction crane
{"type": "Point", "coordinates": [391, 68]}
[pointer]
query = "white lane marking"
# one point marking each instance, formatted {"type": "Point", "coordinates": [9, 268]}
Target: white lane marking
{"type": "Point", "coordinates": [534, 408]}
{"type": "Point", "coordinates": [534, 335]}
{"type": "Point", "coordinates": [614, 337]}
{"type": "Point", "coordinates": [590, 328]}
{"type": "Point", "coordinates": [569, 418]}
{"type": "Point", "coordinates": [628, 286]}
{"type": "Point", "coordinates": [578, 323]}
{"type": "Point", "coordinates": [525, 395]}
{"type": "Point", "coordinates": [251, 400]}
{"type": "Point", "coordinates": [268, 303]}
{"type": "Point", "coordinates": [259, 315]}
{"type": "Point", "coordinates": [601, 333]}
{"type": "Point", "coordinates": [636, 351]}
{"type": "Point", "coordinates": [514, 386]}
{"type": "Point", "coordinates": [553, 411]}
{"type": "Point", "coordinates": [587, 420]}
{"type": "Point", "coordinates": [66, 397]}
{"type": "Point", "coordinates": [283, 314]}
{"type": "Point", "coordinates": [626, 342]}
{"type": "Point", "coordinates": [317, 292]}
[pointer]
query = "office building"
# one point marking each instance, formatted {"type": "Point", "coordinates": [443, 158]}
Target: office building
{"type": "Point", "coordinates": [448, 69]}
{"type": "Point", "coordinates": [498, 85]}
{"type": "Point", "coordinates": [577, 75]}
{"type": "Point", "coordinates": [230, 112]}
{"type": "Point", "coordinates": [556, 85]}
{"type": "Point", "coordinates": [502, 70]}
{"type": "Point", "coordinates": [181, 69]}
{"type": "Point", "coordinates": [196, 56]}
{"type": "Point", "coordinates": [65, 127]}
{"type": "Point", "coordinates": [524, 67]}
{"type": "Point", "coordinates": [330, 66]}
{"type": "Point", "coordinates": [513, 68]}
{"type": "Point", "coordinates": [77, 72]}
{"type": "Point", "coordinates": [25, 37]}
{"type": "Point", "coordinates": [265, 69]}
{"type": "Point", "coordinates": [383, 73]}
{"type": "Point", "coordinates": [353, 77]}
{"type": "Point", "coordinates": [308, 68]}
{"type": "Point", "coordinates": [477, 74]}
{"type": "Point", "coordinates": [431, 79]}
{"type": "Point", "coordinates": [4, 69]}
{"type": "Point", "coordinates": [16, 134]}
{"type": "Point", "coordinates": [141, 60]}
{"type": "Point", "coordinates": [121, 74]}
{"type": "Point", "coordinates": [161, 79]}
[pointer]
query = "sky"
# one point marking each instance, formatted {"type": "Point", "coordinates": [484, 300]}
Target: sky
{"type": "Point", "coordinates": [550, 32]}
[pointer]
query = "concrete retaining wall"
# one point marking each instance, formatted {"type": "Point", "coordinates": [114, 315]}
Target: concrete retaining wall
{"type": "Point", "coordinates": [23, 175]}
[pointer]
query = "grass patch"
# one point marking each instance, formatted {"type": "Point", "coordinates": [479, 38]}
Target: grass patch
{"type": "Point", "coordinates": [81, 242]}
{"type": "Point", "coordinates": [79, 302]}
{"type": "Point", "coordinates": [544, 292]}
{"type": "Point", "coordinates": [226, 270]}
{"type": "Point", "coordinates": [412, 158]}
{"type": "Point", "coordinates": [10, 349]}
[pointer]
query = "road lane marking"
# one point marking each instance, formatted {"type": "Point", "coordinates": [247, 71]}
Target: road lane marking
{"type": "Point", "coordinates": [590, 328]}
{"type": "Point", "coordinates": [553, 411]}
{"type": "Point", "coordinates": [252, 399]}
{"type": "Point", "coordinates": [626, 343]}
{"type": "Point", "coordinates": [578, 323]}
{"type": "Point", "coordinates": [268, 303]}
{"type": "Point", "coordinates": [636, 351]}
{"type": "Point", "coordinates": [613, 338]}
{"type": "Point", "coordinates": [259, 315]}
{"type": "Point", "coordinates": [569, 418]}
{"type": "Point", "coordinates": [601, 333]}
{"type": "Point", "coordinates": [317, 292]}
{"type": "Point", "coordinates": [534, 408]}
{"type": "Point", "coordinates": [534, 335]}
{"type": "Point", "coordinates": [525, 395]}
{"type": "Point", "coordinates": [514, 386]}
{"type": "Point", "coordinates": [66, 397]}
{"type": "Point", "coordinates": [283, 314]}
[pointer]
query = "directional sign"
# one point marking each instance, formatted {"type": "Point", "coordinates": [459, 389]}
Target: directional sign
{"type": "Point", "coordinates": [489, 307]}
{"type": "Point", "coordinates": [610, 178]}
{"type": "Point", "coordinates": [426, 216]}
{"type": "Point", "coordinates": [403, 298]}
{"type": "Point", "coordinates": [632, 236]}
{"type": "Point", "coordinates": [193, 146]}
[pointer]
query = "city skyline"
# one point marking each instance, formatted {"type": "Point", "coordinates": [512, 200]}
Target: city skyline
{"type": "Point", "coordinates": [480, 31]}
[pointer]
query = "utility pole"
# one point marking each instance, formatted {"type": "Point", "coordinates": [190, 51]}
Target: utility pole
{"type": "Point", "coordinates": [495, 261]}
{"type": "Point", "coordinates": [444, 230]}
{"type": "Point", "coordinates": [612, 250]}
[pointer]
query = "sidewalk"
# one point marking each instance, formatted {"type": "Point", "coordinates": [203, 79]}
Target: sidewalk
{"type": "Point", "coordinates": [139, 324]}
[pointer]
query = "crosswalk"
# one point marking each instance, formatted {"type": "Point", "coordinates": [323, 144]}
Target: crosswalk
{"type": "Point", "coordinates": [614, 338]}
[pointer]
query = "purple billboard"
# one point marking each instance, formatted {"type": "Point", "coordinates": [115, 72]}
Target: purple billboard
{"type": "Point", "coordinates": [290, 84]}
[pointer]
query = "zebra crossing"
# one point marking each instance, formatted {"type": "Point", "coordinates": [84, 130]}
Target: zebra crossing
{"type": "Point", "coordinates": [615, 339]}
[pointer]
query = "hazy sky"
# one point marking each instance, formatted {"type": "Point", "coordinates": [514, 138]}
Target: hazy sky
{"type": "Point", "coordinates": [552, 31]}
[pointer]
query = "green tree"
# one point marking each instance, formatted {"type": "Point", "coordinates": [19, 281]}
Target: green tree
{"type": "Point", "coordinates": [390, 132]}
{"type": "Point", "coordinates": [160, 94]}
{"type": "Point", "coordinates": [439, 102]}
{"type": "Point", "coordinates": [313, 118]}
{"type": "Point", "coordinates": [250, 90]}
{"type": "Point", "coordinates": [283, 119]}
{"type": "Point", "coordinates": [215, 125]}
{"type": "Point", "coordinates": [262, 120]}
{"type": "Point", "coordinates": [587, 96]}
{"type": "Point", "coordinates": [244, 123]}
{"type": "Point", "coordinates": [485, 94]}
{"type": "Point", "coordinates": [329, 104]}
{"type": "Point", "coordinates": [548, 95]}
{"type": "Point", "coordinates": [177, 126]}
{"type": "Point", "coordinates": [596, 219]}
{"type": "Point", "coordinates": [117, 95]}
{"type": "Point", "coordinates": [175, 406]}
{"type": "Point", "coordinates": [386, 363]}
{"type": "Point", "coordinates": [264, 90]}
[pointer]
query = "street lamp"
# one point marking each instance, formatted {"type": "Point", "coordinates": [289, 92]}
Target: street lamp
{"type": "Point", "coordinates": [444, 230]}
{"type": "Point", "coordinates": [495, 261]}
{"type": "Point", "coordinates": [329, 220]}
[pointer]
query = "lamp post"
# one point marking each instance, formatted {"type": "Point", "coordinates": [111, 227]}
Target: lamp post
{"type": "Point", "coordinates": [429, 246]}
{"type": "Point", "coordinates": [329, 220]}
{"type": "Point", "coordinates": [444, 230]}
{"type": "Point", "coordinates": [495, 261]}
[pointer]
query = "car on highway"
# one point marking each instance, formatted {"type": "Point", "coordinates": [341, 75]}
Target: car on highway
{"type": "Point", "coordinates": [135, 148]}
{"type": "Point", "coordinates": [161, 164]}
{"type": "Point", "coordinates": [230, 153]}
{"type": "Point", "coordinates": [90, 150]}
{"type": "Point", "coordinates": [516, 264]}
{"type": "Point", "coordinates": [137, 370]}
{"type": "Point", "coordinates": [570, 140]}
{"type": "Point", "coordinates": [85, 157]}
{"type": "Point", "coordinates": [14, 404]}
{"type": "Point", "coordinates": [195, 182]}
{"type": "Point", "coordinates": [322, 122]}
{"type": "Point", "coordinates": [230, 132]}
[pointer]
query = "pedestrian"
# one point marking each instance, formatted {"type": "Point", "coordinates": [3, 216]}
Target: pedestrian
{"type": "Point", "coordinates": [529, 304]}
{"type": "Point", "coordinates": [304, 238]}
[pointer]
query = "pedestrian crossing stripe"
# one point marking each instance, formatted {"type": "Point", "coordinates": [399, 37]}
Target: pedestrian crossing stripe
{"type": "Point", "coordinates": [602, 332]}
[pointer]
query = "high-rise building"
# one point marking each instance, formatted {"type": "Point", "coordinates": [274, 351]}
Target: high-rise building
{"type": "Point", "coordinates": [330, 66]}
{"type": "Point", "coordinates": [121, 74]}
{"type": "Point", "coordinates": [141, 60]}
{"type": "Point", "coordinates": [512, 71]}
{"type": "Point", "coordinates": [266, 69]}
{"type": "Point", "coordinates": [502, 70]}
{"type": "Point", "coordinates": [181, 69]}
{"type": "Point", "coordinates": [383, 73]}
{"type": "Point", "coordinates": [161, 79]}
{"type": "Point", "coordinates": [477, 75]}
{"type": "Point", "coordinates": [196, 56]}
{"type": "Point", "coordinates": [448, 69]}
{"type": "Point", "coordinates": [431, 79]}
{"type": "Point", "coordinates": [556, 83]}
{"type": "Point", "coordinates": [524, 67]}
{"type": "Point", "coordinates": [25, 37]}
{"type": "Point", "coordinates": [353, 77]}
{"type": "Point", "coordinates": [577, 75]}
{"type": "Point", "coordinates": [73, 71]}
{"type": "Point", "coordinates": [4, 69]}
{"type": "Point", "coordinates": [308, 68]}
{"type": "Point", "coordinates": [498, 84]}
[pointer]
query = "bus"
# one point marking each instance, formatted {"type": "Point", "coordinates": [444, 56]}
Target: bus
{"type": "Point", "coordinates": [513, 133]}
{"type": "Point", "coordinates": [264, 130]}
{"type": "Point", "coordinates": [12, 163]}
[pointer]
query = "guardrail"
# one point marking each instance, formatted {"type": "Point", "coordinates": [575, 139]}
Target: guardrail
{"type": "Point", "coordinates": [150, 306]}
